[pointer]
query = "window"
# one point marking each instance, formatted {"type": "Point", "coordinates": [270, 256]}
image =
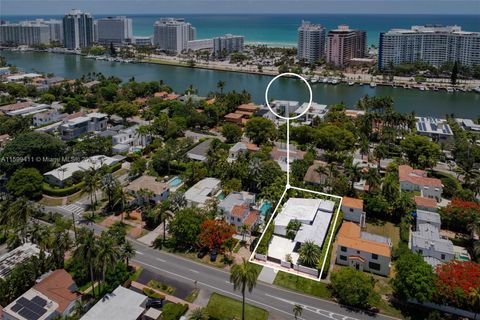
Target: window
{"type": "Point", "coordinates": [351, 209]}
{"type": "Point", "coordinates": [420, 251]}
{"type": "Point", "coordinates": [443, 256]}
{"type": "Point", "coordinates": [344, 249]}
{"type": "Point", "coordinates": [344, 258]}
{"type": "Point", "coordinates": [374, 266]}
{"type": "Point", "coordinates": [374, 256]}
{"type": "Point", "coordinates": [238, 220]}
{"type": "Point", "coordinates": [358, 251]}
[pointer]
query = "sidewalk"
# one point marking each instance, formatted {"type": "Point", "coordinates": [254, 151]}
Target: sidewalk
{"type": "Point", "coordinates": [168, 297]}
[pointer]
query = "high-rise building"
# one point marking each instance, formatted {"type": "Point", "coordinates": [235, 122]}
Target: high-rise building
{"type": "Point", "coordinates": [311, 42]}
{"type": "Point", "coordinates": [344, 44]}
{"type": "Point", "coordinates": [77, 30]}
{"type": "Point", "coordinates": [25, 33]}
{"type": "Point", "coordinates": [433, 44]}
{"type": "Point", "coordinates": [116, 30]}
{"type": "Point", "coordinates": [227, 44]}
{"type": "Point", "coordinates": [172, 34]}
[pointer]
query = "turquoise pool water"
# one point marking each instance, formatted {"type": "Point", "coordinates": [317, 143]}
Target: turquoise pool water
{"type": "Point", "coordinates": [175, 182]}
{"type": "Point", "coordinates": [264, 208]}
{"type": "Point", "coordinates": [221, 196]}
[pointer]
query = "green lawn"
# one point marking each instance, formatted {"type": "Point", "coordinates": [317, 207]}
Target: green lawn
{"type": "Point", "coordinates": [224, 308]}
{"type": "Point", "coordinates": [296, 283]}
{"type": "Point", "coordinates": [386, 229]}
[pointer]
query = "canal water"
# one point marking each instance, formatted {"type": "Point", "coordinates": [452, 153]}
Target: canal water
{"type": "Point", "coordinates": [424, 103]}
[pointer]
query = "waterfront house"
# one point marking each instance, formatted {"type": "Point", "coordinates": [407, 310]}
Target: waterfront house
{"type": "Point", "coordinates": [362, 250]}
{"type": "Point", "coordinates": [352, 209]}
{"type": "Point", "coordinates": [417, 180]}
{"type": "Point", "coordinates": [434, 128]}
{"type": "Point", "coordinates": [148, 189]}
{"type": "Point", "coordinates": [279, 154]}
{"type": "Point", "coordinates": [314, 111]}
{"type": "Point", "coordinates": [204, 190]}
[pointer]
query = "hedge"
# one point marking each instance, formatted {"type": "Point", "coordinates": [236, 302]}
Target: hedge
{"type": "Point", "coordinates": [61, 192]}
{"type": "Point", "coordinates": [115, 167]}
{"type": "Point", "coordinates": [153, 294]}
{"type": "Point", "coordinates": [173, 311]}
{"type": "Point", "coordinates": [263, 246]}
{"type": "Point", "coordinates": [326, 248]}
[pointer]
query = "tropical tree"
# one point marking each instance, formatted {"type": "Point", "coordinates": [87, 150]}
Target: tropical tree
{"type": "Point", "coordinates": [244, 277]}
{"type": "Point", "coordinates": [127, 251]}
{"type": "Point", "coordinates": [297, 311]}
{"type": "Point", "coordinates": [221, 85]}
{"type": "Point", "coordinates": [107, 255]}
{"type": "Point", "coordinates": [309, 254]}
{"type": "Point", "coordinates": [354, 287]}
{"type": "Point", "coordinates": [86, 251]}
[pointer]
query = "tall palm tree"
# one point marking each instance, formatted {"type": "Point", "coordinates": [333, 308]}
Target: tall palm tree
{"type": "Point", "coordinates": [297, 311]}
{"type": "Point", "coordinates": [86, 251]}
{"type": "Point", "coordinates": [244, 230]}
{"type": "Point", "coordinates": [221, 85]}
{"type": "Point", "coordinates": [309, 254]}
{"type": "Point", "coordinates": [107, 255]}
{"type": "Point", "coordinates": [92, 182]}
{"type": "Point", "coordinates": [243, 276]}
{"type": "Point", "coordinates": [127, 252]}
{"type": "Point", "coordinates": [354, 173]}
{"type": "Point", "coordinates": [20, 212]}
{"type": "Point", "coordinates": [373, 178]}
{"type": "Point", "coordinates": [109, 186]}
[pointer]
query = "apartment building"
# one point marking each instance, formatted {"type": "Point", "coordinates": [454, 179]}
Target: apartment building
{"type": "Point", "coordinates": [116, 30]}
{"type": "Point", "coordinates": [78, 30]}
{"type": "Point", "coordinates": [172, 34]}
{"type": "Point", "coordinates": [227, 44]}
{"type": "Point", "coordinates": [434, 44]}
{"type": "Point", "coordinates": [311, 42]}
{"type": "Point", "coordinates": [25, 33]}
{"type": "Point", "coordinates": [345, 44]}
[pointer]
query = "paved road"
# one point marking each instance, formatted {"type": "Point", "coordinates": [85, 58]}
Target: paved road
{"type": "Point", "coordinates": [279, 302]}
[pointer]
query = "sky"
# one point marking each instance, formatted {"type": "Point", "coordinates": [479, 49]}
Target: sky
{"type": "Point", "coordinates": [56, 7]}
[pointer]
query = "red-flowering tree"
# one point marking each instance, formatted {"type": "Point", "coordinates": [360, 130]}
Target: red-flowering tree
{"type": "Point", "coordinates": [214, 233]}
{"type": "Point", "coordinates": [457, 283]}
{"type": "Point", "coordinates": [460, 215]}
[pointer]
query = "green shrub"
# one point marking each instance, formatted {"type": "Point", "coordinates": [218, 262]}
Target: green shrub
{"type": "Point", "coordinates": [153, 294]}
{"type": "Point", "coordinates": [115, 167]}
{"type": "Point", "coordinates": [61, 192]}
{"type": "Point", "coordinates": [263, 246]}
{"type": "Point", "coordinates": [326, 248]}
{"type": "Point", "coordinates": [173, 311]}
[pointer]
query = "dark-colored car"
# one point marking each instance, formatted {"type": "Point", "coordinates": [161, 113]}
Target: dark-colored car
{"type": "Point", "coordinates": [154, 303]}
{"type": "Point", "coordinates": [202, 252]}
{"type": "Point", "coordinates": [213, 255]}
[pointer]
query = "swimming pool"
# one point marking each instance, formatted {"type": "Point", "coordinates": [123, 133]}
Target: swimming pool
{"type": "Point", "coordinates": [221, 196]}
{"type": "Point", "coordinates": [265, 207]}
{"type": "Point", "coordinates": [175, 182]}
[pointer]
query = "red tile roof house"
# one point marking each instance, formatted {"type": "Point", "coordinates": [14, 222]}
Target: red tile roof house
{"type": "Point", "coordinates": [426, 204]}
{"type": "Point", "coordinates": [53, 296]}
{"type": "Point", "coordinates": [417, 180]}
{"type": "Point", "coordinates": [237, 208]}
{"type": "Point", "coordinates": [352, 209]}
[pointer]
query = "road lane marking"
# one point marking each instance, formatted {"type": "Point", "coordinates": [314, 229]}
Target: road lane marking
{"type": "Point", "coordinates": [140, 253]}
{"type": "Point", "coordinates": [161, 260]}
{"type": "Point", "coordinates": [322, 312]}
{"type": "Point", "coordinates": [217, 289]}
{"type": "Point", "coordinates": [194, 271]}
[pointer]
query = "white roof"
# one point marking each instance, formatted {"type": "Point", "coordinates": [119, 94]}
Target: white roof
{"type": "Point", "coordinates": [121, 304]}
{"type": "Point", "coordinates": [202, 190]}
{"type": "Point", "coordinates": [304, 210]}
{"type": "Point", "coordinates": [23, 76]}
{"type": "Point", "coordinates": [18, 255]}
{"type": "Point", "coordinates": [95, 162]}
{"type": "Point", "coordinates": [279, 247]}
{"type": "Point", "coordinates": [315, 108]}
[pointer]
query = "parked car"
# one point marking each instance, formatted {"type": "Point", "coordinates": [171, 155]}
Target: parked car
{"type": "Point", "coordinates": [202, 252]}
{"type": "Point", "coordinates": [154, 303]}
{"type": "Point", "coordinates": [213, 255]}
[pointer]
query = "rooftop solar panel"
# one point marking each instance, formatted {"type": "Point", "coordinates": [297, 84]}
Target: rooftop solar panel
{"type": "Point", "coordinates": [16, 307]}
{"type": "Point", "coordinates": [39, 301]}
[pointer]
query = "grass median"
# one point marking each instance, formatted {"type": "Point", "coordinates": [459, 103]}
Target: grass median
{"type": "Point", "coordinates": [224, 308]}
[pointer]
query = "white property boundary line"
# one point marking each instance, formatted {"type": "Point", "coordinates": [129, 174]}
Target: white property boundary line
{"type": "Point", "coordinates": [287, 187]}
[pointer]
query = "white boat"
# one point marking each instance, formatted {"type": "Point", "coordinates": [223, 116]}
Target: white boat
{"type": "Point", "coordinates": [422, 88]}
{"type": "Point", "coordinates": [373, 84]}
{"type": "Point", "coordinates": [450, 89]}
{"type": "Point", "coordinates": [351, 83]}
{"type": "Point", "coordinates": [314, 80]}
{"type": "Point", "coordinates": [325, 80]}
{"type": "Point", "coordinates": [335, 81]}
{"type": "Point", "coordinates": [477, 89]}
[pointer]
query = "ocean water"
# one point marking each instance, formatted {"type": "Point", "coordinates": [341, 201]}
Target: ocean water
{"type": "Point", "coordinates": [282, 29]}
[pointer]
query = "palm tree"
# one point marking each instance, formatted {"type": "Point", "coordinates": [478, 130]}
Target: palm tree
{"type": "Point", "coordinates": [79, 308]}
{"type": "Point", "coordinates": [474, 224]}
{"type": "Point", "coordinates": [243, 276]}
{"type": "Point", "coordinates": [309, 254]}
{"type": "Point", "coordinates": [86, 251]}
{"type": "Point", "coordinates": [91, 185]}
{"type": "Point", "coordinates": [108, 253]}
{"type": "Point", "coordinates": [120, 199]}
{"type": "Point", "coordinates": [297, 311]}
{"type": "Point", "coordinates": [244, 230]}
{"type": "Point", "coordinates": [109, 186]}
{"type": "Point", "coordinates": [476, 249]}
{"type": "Point", "coordinates": [373, 178]}
{"type": "Point", "coordinates": [221, 86]}
{"type": "Point", "coordinates": [127, 252]}
{"type": "Point", "coordinates": [199, 314]}
{"type": "Point", "coordinates": [354, 174]}
{"type": "Point", "coordinates": [177, 201]}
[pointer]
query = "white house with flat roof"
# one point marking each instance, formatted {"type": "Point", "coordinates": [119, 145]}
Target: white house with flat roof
{"type": "Point", "coordinates": [202, 191]}
{"type": "Point", "coordinates": [313, 214]}
{"type": "Point", "coordinates": [121, 304]}
{"type": "Point", "coordinates": [73, 128]}
{"type": "Point", "coordinates": [20, 254]}
{"type": "Point", "coordinates": [314, 111]}
{"type": "Point", "coordinates": [60, 175]}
